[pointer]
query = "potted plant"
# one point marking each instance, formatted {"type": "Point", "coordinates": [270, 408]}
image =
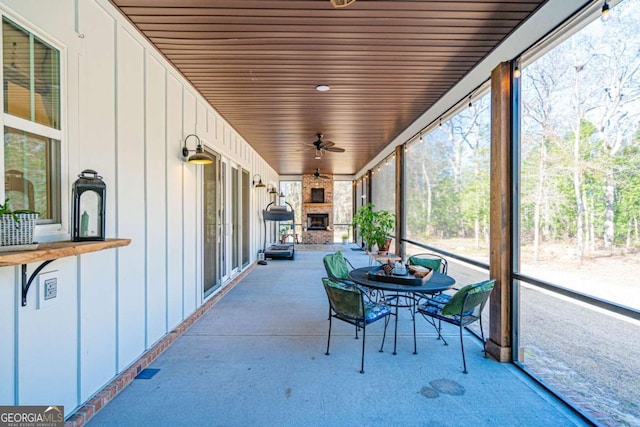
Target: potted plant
{"type": "Point", "coordinates": [374, 226]}
{"type": "Point", "coordinates": [16, 226]}
{"type": "Point", "coordinates": [345, 239]}
{"type": "Point", "coordinates": [385, 223]}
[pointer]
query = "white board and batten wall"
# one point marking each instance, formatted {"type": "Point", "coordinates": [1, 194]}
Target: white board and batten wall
{"type": "Point", "coordinates": [125, 113]}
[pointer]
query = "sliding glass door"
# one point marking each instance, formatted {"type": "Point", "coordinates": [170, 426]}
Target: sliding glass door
{"type": "Point", "coordinates": [245, 226]}
{"type": "Point", "coordinates": [235, 219]}
{"type": "Point", "coordinates": [212, 239]}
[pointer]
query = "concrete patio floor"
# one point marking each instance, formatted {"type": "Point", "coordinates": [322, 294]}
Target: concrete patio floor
{"type": "Point", "coordinates": [256, 358]}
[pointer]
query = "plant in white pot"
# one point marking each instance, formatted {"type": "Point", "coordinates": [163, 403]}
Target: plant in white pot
{"type": "Point", "coordinates": [16, 226]}
{"type": "Point", "coordinates": [345, 239]}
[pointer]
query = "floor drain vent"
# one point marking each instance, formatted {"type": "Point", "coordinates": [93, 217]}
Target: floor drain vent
{"type": "Point", "coordinates": [146, 374]}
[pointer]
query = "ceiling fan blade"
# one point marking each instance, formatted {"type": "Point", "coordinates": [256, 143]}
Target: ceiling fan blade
{"type": "Point", "coordinates": [317, 175]}
{"type": "Point", "coordinates": [335, 149]}
{"type": "Point", "coordinates": [326, 144]}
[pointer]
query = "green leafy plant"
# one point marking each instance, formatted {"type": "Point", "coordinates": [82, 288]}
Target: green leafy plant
{"type": "Point", "coordinates": [374, 226]}
{"type": "Point", "coordinates": [5, 210]}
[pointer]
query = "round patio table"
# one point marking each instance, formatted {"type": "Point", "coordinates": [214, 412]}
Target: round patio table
{"type": "Point", "coordinates": [437, 283]}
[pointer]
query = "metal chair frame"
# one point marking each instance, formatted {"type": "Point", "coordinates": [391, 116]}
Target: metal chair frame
{"type": "Point", "coordinates": [359, 321]}
{"type": "Point", "coordinates": [371, 294]}
{"type": "Point", "coordinates": [444, 264]}
{"type": "Point", "coordinates": [330, 273]}
{"type": "Point", "coordinates": [470, 312]}
{"type": "Point", "coordinates": [444, 267]}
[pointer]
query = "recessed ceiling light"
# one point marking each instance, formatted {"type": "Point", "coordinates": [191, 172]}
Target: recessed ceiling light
{"type": "Point", "coordinates": [322, 88]}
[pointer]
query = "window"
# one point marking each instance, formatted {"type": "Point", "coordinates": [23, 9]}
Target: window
{"type": "Point", "coordinates": [342, 209]}
{"type": "Point", "coordinates": [383, 185]}
{"type": "Point", "coordinates": [579, 213]}
{"type": "Point", "coordinates": [293, 195]}
{"type": "Point", "coordinates": [31, 115]}
{"type": "Point", "coordinates": [447, 182]}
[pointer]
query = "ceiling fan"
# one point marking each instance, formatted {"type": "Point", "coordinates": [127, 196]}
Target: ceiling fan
{"type": "Point", "coordinates": [317, 175]}
{"type": "Point", "coordinates": [321, 146]}
{"type": "Point", "coordinates": [341, 3]}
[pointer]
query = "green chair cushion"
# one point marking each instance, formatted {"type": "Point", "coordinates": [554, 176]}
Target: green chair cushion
{"type": "Point", "coordinates": [344, 286]}
{"type": "Point", "coordinates": [345, 299]}
{"type": "Point", "coordinates": [432, 263]}
{"type": "Point", "coordinates": [337, 266]}
{"type": "Point", "coordinates": [454, 306]}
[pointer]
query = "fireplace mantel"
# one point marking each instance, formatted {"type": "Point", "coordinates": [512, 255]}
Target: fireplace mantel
{"type": "Point", "coordinates": [317, 205]}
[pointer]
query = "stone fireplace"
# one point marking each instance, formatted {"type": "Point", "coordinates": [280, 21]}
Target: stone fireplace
{"type": "Point", "coordinates": [317, 210]}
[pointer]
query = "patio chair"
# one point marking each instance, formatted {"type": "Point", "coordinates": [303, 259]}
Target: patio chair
{"type": "Point", "coordinates": [347, 303]}
{"type": "Point", "coordinates": [430, 260]}
{"type": "Point", "coordinates": [461, 309]}
{"type": "Point", "coordinates": [337, 267]}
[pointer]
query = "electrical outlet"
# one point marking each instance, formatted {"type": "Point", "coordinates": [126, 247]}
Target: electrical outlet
{"type": "Point", "coordinates": [47, 289]}
{"type": "Point", "coordinates": [50, 288]}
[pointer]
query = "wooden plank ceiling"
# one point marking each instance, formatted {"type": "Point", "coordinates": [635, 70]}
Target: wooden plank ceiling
{"type": "Point", "coordinates": [258, 63]}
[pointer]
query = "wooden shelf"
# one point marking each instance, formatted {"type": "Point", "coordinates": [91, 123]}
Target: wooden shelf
{"type": "Point", "coordinates": [49, 252]}
{"type": "Point", "coordinates": [55, 250]}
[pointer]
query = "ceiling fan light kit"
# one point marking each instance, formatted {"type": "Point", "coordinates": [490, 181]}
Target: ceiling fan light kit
{"type": "Point", "coordinates": [341, 3]}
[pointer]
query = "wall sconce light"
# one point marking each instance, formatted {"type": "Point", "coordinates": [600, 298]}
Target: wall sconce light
{"type": "Point", "coordinates": [272, 189]}
{"type": "Point", "coordinates": [606, 13]}
{"type": "Point", "coordinates": [281, 195]}
{"type": "Point", "coordinates": [200, 157]}
{"type": "Point", "coordinates": [259, 183]}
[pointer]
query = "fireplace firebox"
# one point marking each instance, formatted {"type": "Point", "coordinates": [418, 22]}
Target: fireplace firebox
{"type": "Point", "coordinates": [316, 221]}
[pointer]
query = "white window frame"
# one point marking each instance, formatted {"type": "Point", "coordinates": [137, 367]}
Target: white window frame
{"type": "Point", "coordinates": [50, 231]}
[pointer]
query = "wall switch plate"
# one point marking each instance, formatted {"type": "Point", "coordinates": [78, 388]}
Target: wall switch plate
{"type": "Point", "coordinates": [47, 288]}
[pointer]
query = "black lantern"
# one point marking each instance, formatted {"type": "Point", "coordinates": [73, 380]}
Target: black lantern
{"type": "Point", "coordinates": [89, 194]}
